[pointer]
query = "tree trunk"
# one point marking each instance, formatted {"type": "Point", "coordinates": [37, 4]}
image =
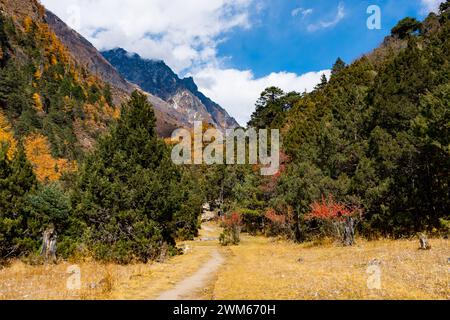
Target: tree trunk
{"type": "Point", "coordinates": [349, 232]}
{"type": "Point", "coordinates": [49, 244]}
{"type": "Point", "coordinates": [424, 244]}
{"type": "Point", "coordinates": [297, 232]}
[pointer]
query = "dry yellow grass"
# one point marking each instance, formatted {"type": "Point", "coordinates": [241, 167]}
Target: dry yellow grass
{"type": "Point", "coordinates": [104, 281]}
{"type": "Point", "coordinates": [261, 268]}
{"type": "Point", "coordinates": [49, 282]}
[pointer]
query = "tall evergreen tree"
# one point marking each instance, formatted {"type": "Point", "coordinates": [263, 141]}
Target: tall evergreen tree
{"type": "Point", "coordinates": [4, 45]}
{"type": "Point", "coordinates": [444, 7]}
{"type": "Point", "coordinates": [129, 190]}
{"type": "Point", "coordinates": [338, 66]}
{"type": "Point", "coordinates": [406, 27]}
{"type": "Point", "coordinates": [271, 108]}
{"type": "Point", "coordinates": [268, 107]}
{"type": "Point", "coordinates": [16, 181]}
{"type": "Point", "coordinates": [323, 82]}
{"type": "Point", "coordinates": [377, 137]}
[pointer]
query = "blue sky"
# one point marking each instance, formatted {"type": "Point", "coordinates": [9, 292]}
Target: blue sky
{"type": "Point", "coordinates": [280, 41]}
{"type": "Point", "coordinates": [234, 49]}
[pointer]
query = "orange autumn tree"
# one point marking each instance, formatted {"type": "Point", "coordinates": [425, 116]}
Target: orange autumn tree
{"type": "Point", "coordinates": [7, 136]}
{"type": "Point", "coordinates": [46, 168]}
{"type": "Point", "coordinates": [339, 219]}
{"type": "Point", "coordinates": [38, 74]}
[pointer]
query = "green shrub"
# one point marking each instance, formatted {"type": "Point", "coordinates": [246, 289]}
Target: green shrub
{"type": "Point", "coordinates": [252, 221]}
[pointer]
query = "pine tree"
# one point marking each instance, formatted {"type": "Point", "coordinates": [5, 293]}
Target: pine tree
{"type": "Point", "coordinates": [49, 206]}
{"type": "Point", "coordinates": [323, 82]}
{"type": "Point", "coordinates": [377, 137]}
{"type": "Point", "coordinates": [129, 190]}
{"type": "Point", "coordinates": [16, 181]}
{"type": "Point", "coordinates": [269, 107]}
{"type": "Point", "coordinates": [444, 7]}
{"type": "Point", "coordinates": [338, 66]}
{"type": "Point", "coordinates": [4, 45]}
{"type": "Point", "coordinates": [406, 27]}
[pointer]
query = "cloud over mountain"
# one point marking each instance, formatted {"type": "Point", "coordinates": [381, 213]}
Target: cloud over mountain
{"type": "Point", "coordinates": [182, 33]}
{"type": "Point", "coordinates": [185, 34]}
{"type": "Point", "coordinates": [239, 90]}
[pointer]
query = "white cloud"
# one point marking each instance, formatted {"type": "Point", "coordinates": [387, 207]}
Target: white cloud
{"type": "Point", "coordinates": [325, 24]}
{"type": "Point", "coordinates": [302, 12]}
{"type": "Point", "coordinates": [430, 5]}
{"type": "Point", "coordinates": [181, 32]}
{"type": "Point", "coordinates": [237, 90]}
{"type": "Point", "coordinates": [185, 34]}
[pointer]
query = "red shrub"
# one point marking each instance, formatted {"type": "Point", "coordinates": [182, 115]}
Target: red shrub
{"type": "Point", "coordinates": [279, 224]}
{"type": "Point", "coordinates": [273, 217]}
{"type": "Point", "coordinates": [330, 210]}
{"type": "Point", "coordinates": [232, 220]}
{"type": "Point", "coordinates": [336, 218]}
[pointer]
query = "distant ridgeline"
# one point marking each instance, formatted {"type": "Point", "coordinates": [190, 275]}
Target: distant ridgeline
{"type": "Point", "coordinates": [157, 78]}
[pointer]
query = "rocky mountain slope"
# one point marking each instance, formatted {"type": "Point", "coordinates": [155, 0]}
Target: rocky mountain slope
{"type": "Point", "coordinates": [177, 102]}
{"type": "Point", "coordinates": [158, 79]}
{"type": "Point", "coordinates": [87, 55]}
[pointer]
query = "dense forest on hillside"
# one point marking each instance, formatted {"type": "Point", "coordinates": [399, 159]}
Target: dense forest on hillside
{"type": "Point", "coordinates": [53, 103]}
{"type": "Point", "coordinates": [370, 143]}
{"type": "Point", "coordinates": [95, 175]}
{"type": "Point", "coordinates": [374, 137]}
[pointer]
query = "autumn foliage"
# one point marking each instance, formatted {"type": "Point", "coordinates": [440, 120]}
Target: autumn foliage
{"type": "Point", "coordinates": [231, 224]}
{"type": "Point", "coordinates": [38, 102]}
{"type": "Point", "coordinates": [336, 219]}
{"type": "Point", "coordinates": [7, 136]}
{"type": "Point", "coordinates": [234, 219]}
{"type": "Point", "coordinates": [331, 210]}
{"type": "Point", "coordinates": [46, 168]}
{"type": "Point", "coordinates": [279, 224]}
{"type": "Point", "coordinates": [275, 218]}
{"type": "Point", "coordinates": [271, 182]}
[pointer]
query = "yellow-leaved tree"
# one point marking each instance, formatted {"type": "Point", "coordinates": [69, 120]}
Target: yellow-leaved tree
{"type": "Point", "coordinates": [38, 102]}
{"type": "Point", "coordinates": [7, 136]}
{"type": "Point", "coordinates": [28, 24]}
{"type": "Point", "coordinates": [46, 168]}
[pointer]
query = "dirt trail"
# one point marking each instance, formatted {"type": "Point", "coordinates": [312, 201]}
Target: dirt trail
{"type": "Point", "coordinates": [208, 229]}
{"type": "Point", "coordinates": [188, 276]}
{"type": "Point", "coordinates": [187, 288]}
